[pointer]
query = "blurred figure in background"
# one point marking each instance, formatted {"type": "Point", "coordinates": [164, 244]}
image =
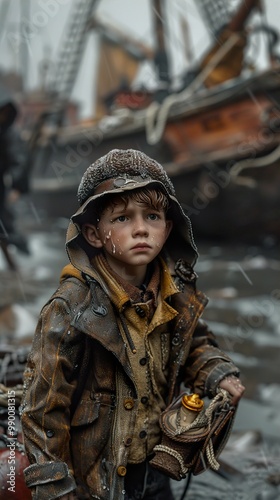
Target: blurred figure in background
{"type": "Point", "coordinates": [13, 174]}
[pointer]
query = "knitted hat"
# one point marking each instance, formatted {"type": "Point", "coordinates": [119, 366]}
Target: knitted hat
{"type": "Point", "coordinates": [122, 164]}
{"type": "Point", "coordinates": [120, 171]}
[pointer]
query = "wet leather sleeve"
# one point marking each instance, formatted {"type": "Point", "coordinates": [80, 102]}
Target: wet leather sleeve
{"type": "Point", "coordinates": [50, 380]}
{"type": "Point", "coordinates": [207, 364]}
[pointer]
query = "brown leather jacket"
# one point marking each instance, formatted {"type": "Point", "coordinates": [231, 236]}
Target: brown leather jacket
{"type": "Point", "coordinates": [74, 417]}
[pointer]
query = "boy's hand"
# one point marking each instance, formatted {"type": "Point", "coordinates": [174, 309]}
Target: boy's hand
{"type": "Point", "coordinates": [234, 386]}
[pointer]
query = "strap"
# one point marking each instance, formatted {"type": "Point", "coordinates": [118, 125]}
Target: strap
{"type": "Point", "coordinates": [187, 485]}
{"type": "Point", "coordinates": [49, 472]}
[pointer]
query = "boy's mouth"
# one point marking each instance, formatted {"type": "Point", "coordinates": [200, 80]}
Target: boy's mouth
{"type": "Point", "coordinates": [141, 246]}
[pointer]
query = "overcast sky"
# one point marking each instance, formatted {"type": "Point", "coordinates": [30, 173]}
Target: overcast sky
{"type": "Point", "coordinates": [46, 19]}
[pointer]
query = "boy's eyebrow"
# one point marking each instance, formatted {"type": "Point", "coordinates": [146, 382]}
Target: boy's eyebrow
{"type": "Point", "coordinates": [118, 207]}
{"type": "Point", "coordinates": [126, 210]}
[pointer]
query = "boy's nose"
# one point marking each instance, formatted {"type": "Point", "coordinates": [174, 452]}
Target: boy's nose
{"type": "Point", "coordinates": [140, 227]}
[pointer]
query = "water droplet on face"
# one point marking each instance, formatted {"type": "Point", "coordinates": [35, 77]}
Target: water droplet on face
{"type": "Point", "coordinates": [108, 236]}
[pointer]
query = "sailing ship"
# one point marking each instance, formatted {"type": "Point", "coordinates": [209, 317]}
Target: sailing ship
{"type": "Point", "coordinates": [217, 135]}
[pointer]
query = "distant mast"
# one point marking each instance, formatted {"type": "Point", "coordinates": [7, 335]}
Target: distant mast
{"type": "Point", "coordinates": [24, 47]}
{"type": "Point", "coordinates": [233, 37]}
{"type": "Point", "coordinates": [160, 59]}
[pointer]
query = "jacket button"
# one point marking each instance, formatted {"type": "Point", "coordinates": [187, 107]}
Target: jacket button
{"type": "Point", "coordinates": [142, 434]}
{"type": "Point", "coordinates": [144, 400]}
{"type": "Point", "coordinates": [128, 403]}
{"type": "Point", "coordinates": [49, 433]}
{"type": "Point", "coordinates": [143, 361]}
{"type": "Point", "coordinates": [121, 470]}
{"type": "Point", "coordinates": [140, 311]}
{"type": "Point", "coordinates": [128, 441]}
{"type": "Point", "coordinates": [176, 339]}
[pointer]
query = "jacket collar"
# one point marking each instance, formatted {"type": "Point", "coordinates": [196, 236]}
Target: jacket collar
{"type": "Point", "coordinates": [122, 292]}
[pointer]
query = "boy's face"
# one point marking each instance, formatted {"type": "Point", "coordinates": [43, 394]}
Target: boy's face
{"type": "Point", "coordinates": [130, 236]}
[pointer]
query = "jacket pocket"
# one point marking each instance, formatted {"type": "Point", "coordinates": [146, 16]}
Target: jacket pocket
{"type": "Point", "coordinates": [89, 407]}
{"type": "Point", "coordinates": [85, 413]}
{"type": "Point", "coordinates": [90, 434]}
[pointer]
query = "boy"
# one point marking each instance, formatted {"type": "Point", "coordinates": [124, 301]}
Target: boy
{"type": "Point", "coordinates": [117, 339]}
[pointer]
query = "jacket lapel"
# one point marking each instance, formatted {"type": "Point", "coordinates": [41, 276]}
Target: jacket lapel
{"type": "Point", "coordinates": [103, 328]}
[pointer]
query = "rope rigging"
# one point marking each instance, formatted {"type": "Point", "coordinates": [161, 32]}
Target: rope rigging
{"type": "Point", "coordinates": [216, 14]}
{"type": "Point", "coordinates": [72, 48]}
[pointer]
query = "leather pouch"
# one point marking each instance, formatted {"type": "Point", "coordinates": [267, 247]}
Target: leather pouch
{"type": "Point", "coordinates": [195, 447]}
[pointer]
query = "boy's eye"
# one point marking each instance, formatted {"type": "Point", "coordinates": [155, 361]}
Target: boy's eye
{"type": "Point", "coordinates": [153, 216]}
{"type": "Point", "coordinates": [121, 218]}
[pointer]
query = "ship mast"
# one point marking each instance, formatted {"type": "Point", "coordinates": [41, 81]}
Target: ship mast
{"type": "Point", "coordinates": [234, 34]}
{"type": "Point", "coordinates": [160, 59]}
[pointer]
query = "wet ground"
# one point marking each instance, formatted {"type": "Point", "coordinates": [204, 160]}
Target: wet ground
{"type": "Point", "coordinates": [243, 286]}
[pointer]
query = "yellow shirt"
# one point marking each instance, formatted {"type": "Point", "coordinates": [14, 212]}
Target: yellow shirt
{"type": "Point", "coordinates": [148, 353]}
